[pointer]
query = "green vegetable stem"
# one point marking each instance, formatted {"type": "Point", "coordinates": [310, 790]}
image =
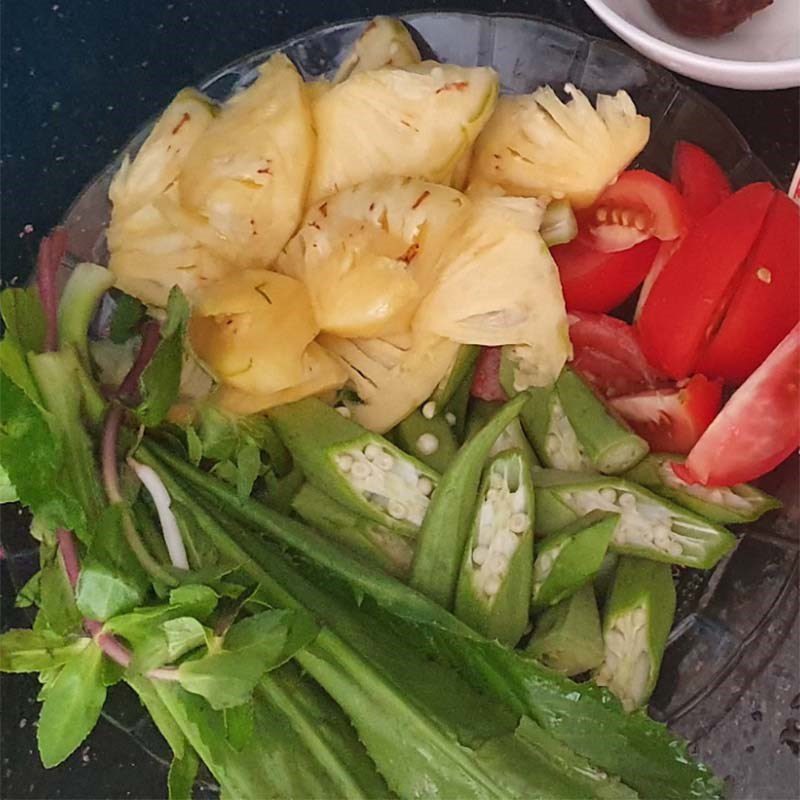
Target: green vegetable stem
{"type": "Point", "coordinates": [493, 593]}
{"type": "Point", "coordinates": [359, 469]}
{"type": "Point", "coordinates": [636, 623]}
{"type": "Point", "coordinates": [649, 526]}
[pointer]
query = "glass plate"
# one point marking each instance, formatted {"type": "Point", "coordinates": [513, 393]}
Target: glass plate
{"type": "Point", "coordinates": [730, 621]}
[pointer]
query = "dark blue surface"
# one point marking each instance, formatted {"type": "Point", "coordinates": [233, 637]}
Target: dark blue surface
{"type": "Point", "coordinates": [78, 78]}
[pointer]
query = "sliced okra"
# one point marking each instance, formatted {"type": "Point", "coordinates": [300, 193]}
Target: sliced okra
{"type": "Point", "coordinates": [724, 504]}
{"type": "Point", "coordinates": [512, 437]}
{"type": "Point", "coordinates": [650, 526]}
{"type": "Point", "coordinates": [462, 369]}
{"type": "Point", "coordinates": [426, 435]}
{"type": "Point", "coordinates": [609, 444]}
{"type": "Point", "coordinates": [605, 577]}
{"type": "Point", "coordinates": [572, 557]}
{"type": "Point", "coordinates": [493, 594]}
{"type": "Point", "coordinates": [636, 623]}
{"type": "Point", "coordinates": [361, 470]}
{"type": "Point", "coordinates": [447, 524]}
{"type": "Point", "coordinates": [455, 410]}
{"type": "Point", "coordinates": [364, 536]}
{"type": "Point", "coordinates": [550, 432]}
{"type": "Point", "coordinates": [568, 637]}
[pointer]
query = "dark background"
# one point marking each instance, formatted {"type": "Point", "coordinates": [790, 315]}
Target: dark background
{"type": "Point", "coordinates": [78, 78]}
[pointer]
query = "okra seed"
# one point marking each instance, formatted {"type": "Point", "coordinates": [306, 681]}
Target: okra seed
{"type": "Point", "coordinates": [674, 549]}
{"type": "Point", "coordinates": [344, 462]}
{"type": "Point", "coordinates": [506, 543]}
{"type": "Point", "coordinates": [485, 535]}
{"type": "Point", "coordinates": [609, 495]}
{"type": "Point", "coordinates": [450, 418]}
{"type": "Point", "coordinates": [479, 555]}
{"type": "Point", "coordinates": [384, 461]}
{"type": "Point", "coordinates": [427, 444]}
{"type": "Point", "coordinates": [396, 509]}
{"type": "Point", "coordinates": [496, 563]}
{"type": "Point", "coordinates": [360, 470]}
{"type": "Point", "coordinates": [627, 500]}
{"type": "Point", "coordinates": [519, 522]}
{"type": "Point", "coordinates": [429, 410]}
{"type": "Point", "coordinates": [372, 451]}
{"type": "Point", "coordinates": [425, 485]}
{"type": "Point", "coordinates": [492, 585]}
{"type": "Point", "coordinates": [344, 411]}
{"type": "Point", "coordinates": [495, 482]}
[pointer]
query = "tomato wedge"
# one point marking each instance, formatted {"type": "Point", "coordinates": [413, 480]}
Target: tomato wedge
{"type": "Point", "coordinates": [700, 180]}
{"type": "Point", "coordinates": [638, 206]}
{"type": "Point", "coordinates": [766, 303]}
{"type": "Point", "coordinates": [757, 429]}
{"type": "Point", "coordinates": [608, 355]}
{"type": "Point", "coordinates": [689, 296]}
{"type": "Point", "coordinates": [672, 420]}
{"type": "Point", "coordinates": [595, 281]}
{"type": "Point", "coordinates": [486, 380]}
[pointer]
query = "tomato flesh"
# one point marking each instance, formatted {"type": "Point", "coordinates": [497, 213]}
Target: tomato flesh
{"type": "Point", "coordinates": [596, 281]}
{"type": "Point", "coordinates": [766, 303]}
{"type": "Point", "coordinates": [687, 297]}
{"type": "Point", "coordinates": [486, 380]}
{"type": "Point", "coordinates": [699, 179]}
{"type": "Point", "coordinates": [672, 420]}
{"type": "Point", "coordinates": [758, 428]}
{"type": "Point", "coordinates": [638, 206]}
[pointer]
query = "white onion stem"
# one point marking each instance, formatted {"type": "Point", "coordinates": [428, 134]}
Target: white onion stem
{"type": "Point", "coordinates": [163, 503]}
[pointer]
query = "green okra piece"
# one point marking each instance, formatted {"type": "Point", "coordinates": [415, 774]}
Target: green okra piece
{"type": "Point", "coordinates": [364, 536]}
{"type": "Point", "coordinates": [446, 527]}
{"type": "Point", "coordinates": [724, 504]}
{"type": "Point", "coordinates": [459, 372]}
{"type": "Point", "coordinates": [455, 411]}
{"type": "Point", "coordinates": [609, 444]}
{"type": "Point", "coordinates": [568, 637]}
{"type": "Point", "coordinates": [359, 469]}
{"type": "Point", "coordinates": [650, 526]}
{"type": "Point", "coordinates": [636, 623]}
{"type": "Point", "coordinates": [493, 593]}
{"type": "Point", "coordinates": [426, 435]}
{"type": "Point", "coordinates": [572, 557]}
{"type": "Point", "coordinates": [512, 437]}
{"type": "Point", "coordinates": [605, 576]}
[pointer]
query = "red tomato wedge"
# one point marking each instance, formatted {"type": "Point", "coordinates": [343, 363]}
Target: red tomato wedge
{"type": "Point", "coordinates": [757, 429]}
{"type": "Point", "coordinates": [486, 380]}
{"type": "Point", "coordinates": [700, 180]}
{"type": "Point", "coordinates": [607, 354]}
{"type": "Point", "coordinates": [665, 252]}
{"type": "Point", "coordinates": [689, 295]}
{"type": "Point", "coordinates": [766, 303]}
{"type": "Point", "coordinates": [672, 420]}
{"type": "Point", "coordinates": [595, 281]}
{"type": "Point", "coordinates": [638, 206]}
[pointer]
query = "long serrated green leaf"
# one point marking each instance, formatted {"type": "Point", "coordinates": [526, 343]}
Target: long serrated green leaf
{"type": "Point", "coordinates": [71, 706]}
{"type": "Point", "coordinates": [24, 650]}
{"type": "Point", "coordinates": [182, 775]}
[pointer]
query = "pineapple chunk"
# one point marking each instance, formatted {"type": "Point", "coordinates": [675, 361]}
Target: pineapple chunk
{"type": "Point", "coordinates": [366, 254]}
{"type": "Point", "coordinates": [392, 377]}
{"type": "Point", "coordinates": [498, 285]}
{"type": "Point", "coordinates": [248, 175]}
{"type": "Point", "coordinates": [384, 42]}
{"type": "Point", "coordinates": [537, 146]}
{"type": "Point", "coordinates": [416, 121]}
{"type": "Point", "coordinates": [252, 329]}
{"type": "Point", "coordinates": [159, 160]}
{"type": "Point", "coordinates": [321, 373]}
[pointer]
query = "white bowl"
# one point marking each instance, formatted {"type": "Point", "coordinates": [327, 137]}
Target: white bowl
{"type": "Point", "coordinates": [762, 53]}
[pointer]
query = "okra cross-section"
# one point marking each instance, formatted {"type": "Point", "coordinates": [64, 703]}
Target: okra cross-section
{"type": "Point", "coordinates": [649, 526]}
{"type": "Point", "coordinates": [637, 620]}
{"type": "Point", "coordinates": [359, 469]}
{"type": "Point", "coordinates": [724, 504]}
{"type": "Point", "coordinates": [572, 557]}
{"type": "Point", "coordinates": [493, 594]}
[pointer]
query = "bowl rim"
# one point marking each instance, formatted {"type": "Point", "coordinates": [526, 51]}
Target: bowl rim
{"type": "Point", "coordinates": [787, 68]}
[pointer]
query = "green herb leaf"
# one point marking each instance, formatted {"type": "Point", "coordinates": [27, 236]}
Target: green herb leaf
{"type": "Point", "coordinates": [14, 365]}
{"type": "Point", "coordinates": [248, 467]}
{"type": "Point", "coordinates": [8, 493]}
{"type": "Point", "coordinates": [182, 635]}
{"type": "Point", "coordinates": [71, 706]}
{"type": "Point", "coordinates": [56, 600]}
{"type": "Point", "coordinates": [25, 650]}
{"type": "Point", "coordinates": [252, 646]}
{"type": "Point", "coordinates": [29, 594]}
{"type": "Point", "coordinates": [239, 723]}
{"type": "Point", "coordinates": [182, 775]}
{"type": "Point", "coordinates": [22, 314]}
{"type": "Point", "coordinates": [160, 381]}
{"type": "Point", "coordinates": [194, 445]}
{"type": "Point", "coordinates": [103, 591]}
{"type": "Point", "coordinates": [128, 313]}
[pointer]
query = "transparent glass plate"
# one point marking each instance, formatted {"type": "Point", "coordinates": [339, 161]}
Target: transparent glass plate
{"type": "Point", "coordinates": [737, 610]}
